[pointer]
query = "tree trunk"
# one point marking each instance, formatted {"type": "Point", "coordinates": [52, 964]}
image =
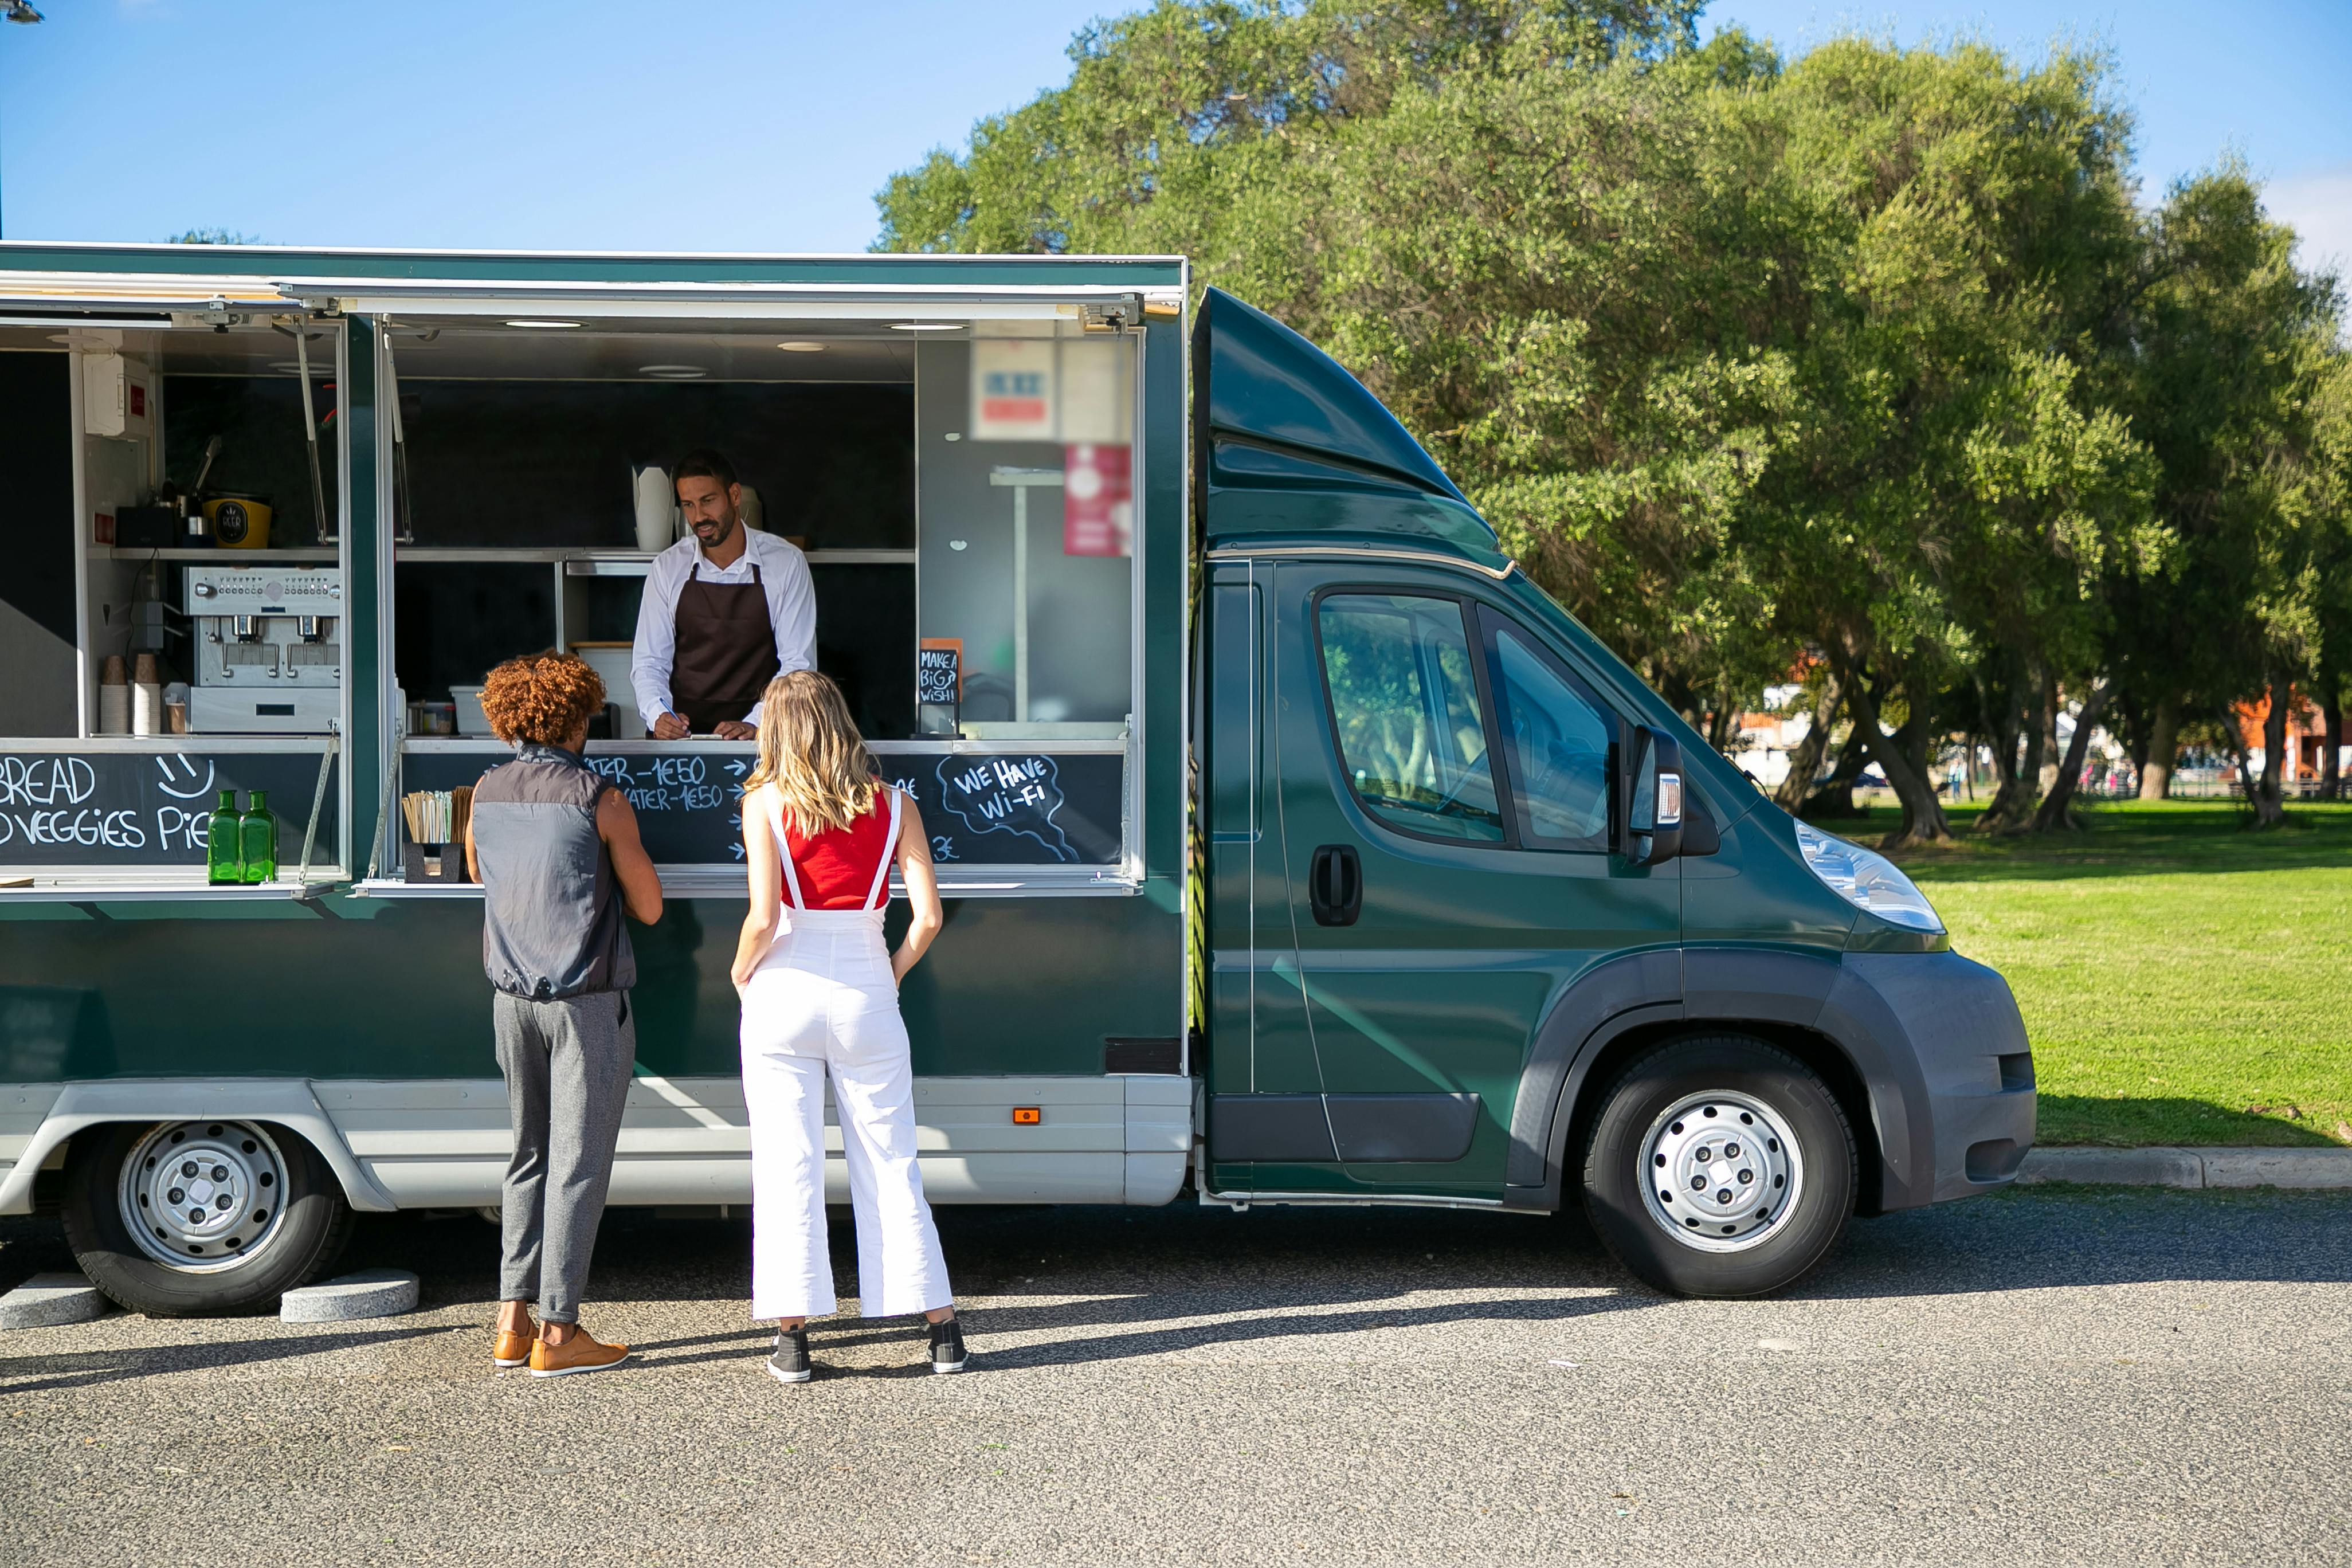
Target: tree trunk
{"type": "Point", "coordinates": [2054, 811]}
{"type": "Point", "coordinates": [2008, 718]}
{"type": "Point", "coordinates": [2045, 732]}
{"type": "Point", "coordinates": [1723, 719]}
{"type": "Point", "coordinates": [1806, 759]}
{"type": "Point", "coordinates": [1923, 813]}
{"type": "Point", "coordinates": [1835, 797]}
{"type": "Point", "coordinates": [2163, 747]}
{"type": "Point", "coordinates": [2267, 811]}
{"type": "Point", "coordinates": [2331, 738]}
{"type": "Point", "coordinates": [2271, 808]}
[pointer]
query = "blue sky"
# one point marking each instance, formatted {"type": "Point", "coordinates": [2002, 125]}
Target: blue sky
{"type": "Point", "coordinates": [739, 125]}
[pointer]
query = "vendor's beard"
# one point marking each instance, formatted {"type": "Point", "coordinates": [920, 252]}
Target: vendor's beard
{"type": "Point", "coordinates": [719, 532]}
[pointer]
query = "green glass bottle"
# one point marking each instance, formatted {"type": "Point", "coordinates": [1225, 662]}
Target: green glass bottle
{"type": "Point", "coordinates": [224, 857]}
{"type": "Point", "coordinates": [256, 839]}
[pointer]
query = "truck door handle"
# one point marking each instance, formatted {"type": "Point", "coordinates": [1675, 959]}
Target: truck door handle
{"type": "Point", "coordinates": [1334, 885]}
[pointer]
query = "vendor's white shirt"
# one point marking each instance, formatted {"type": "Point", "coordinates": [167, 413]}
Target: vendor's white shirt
{"type": "Point", "coordinates": [792, 612]}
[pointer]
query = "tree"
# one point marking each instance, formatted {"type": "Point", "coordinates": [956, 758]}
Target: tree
{"type": "Point", "coordinates": [2233, 382]}
{"type": "Point", "coordinates": [1952, 492]}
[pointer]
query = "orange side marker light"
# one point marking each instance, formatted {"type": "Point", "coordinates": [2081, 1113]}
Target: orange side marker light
{"type": "Point", "coordinates": [1027, 1115]}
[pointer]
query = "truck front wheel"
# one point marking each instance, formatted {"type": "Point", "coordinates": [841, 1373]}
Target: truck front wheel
{"type": "Point", "coordinates": [183, 1219]}
{"type": "Point", "coordinates": [1720, 1165]}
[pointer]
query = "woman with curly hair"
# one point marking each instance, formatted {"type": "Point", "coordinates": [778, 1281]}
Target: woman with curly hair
{"type": "Point", "coordinates": [555, 847]}
{"type": "Point", "coordinates": [820, 989]}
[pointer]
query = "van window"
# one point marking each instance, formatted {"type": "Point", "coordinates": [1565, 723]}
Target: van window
{"type": "Point", "coordinates": [1556, 739]}
{"type": "Point", "coordinates": [1404, 703]}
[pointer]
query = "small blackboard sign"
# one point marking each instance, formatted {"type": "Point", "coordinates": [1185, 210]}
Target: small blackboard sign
{"type": "Point", "coordinates": [149, 808]}
{"type": "Point", "coordinates": [979, 808]}
{"type": "Point", "coordinates": [938, 673]}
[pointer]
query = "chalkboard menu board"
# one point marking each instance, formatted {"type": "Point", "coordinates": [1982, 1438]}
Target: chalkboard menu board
{"type": "Point", "coordinates": [103, 809]}
{"type": "Point", "coordinates": [987, 809]}
{"type": "Point", "coordinates": [938, 673]}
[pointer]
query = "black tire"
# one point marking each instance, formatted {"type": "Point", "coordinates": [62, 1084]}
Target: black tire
{"type": "Point", "coordinates": [1630, 1139]}
{"type": "Point", "coordinates": [302, 1230]}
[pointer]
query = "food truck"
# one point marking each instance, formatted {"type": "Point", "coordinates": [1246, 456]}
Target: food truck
{"type": "Point", "coordinates": [1296, 847]}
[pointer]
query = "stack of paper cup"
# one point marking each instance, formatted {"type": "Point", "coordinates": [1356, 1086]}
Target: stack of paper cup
{"type": "Point", "coordinates": [113, 698]}
{"type": "Point", "coordinates": [656, 506]}
{"type": "Point", "coordinates": [146, 698]}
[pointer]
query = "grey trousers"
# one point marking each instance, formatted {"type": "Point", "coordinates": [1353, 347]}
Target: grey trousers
{"type": "Point", "coordinates": [567, 1066]}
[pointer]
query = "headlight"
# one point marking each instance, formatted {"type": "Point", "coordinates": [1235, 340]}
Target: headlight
{"type": "Point", "coordinates": [1866, 879]}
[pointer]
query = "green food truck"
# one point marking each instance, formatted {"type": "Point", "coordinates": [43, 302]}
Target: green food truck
{"type": "Point", "coordinates": [1296, 847]}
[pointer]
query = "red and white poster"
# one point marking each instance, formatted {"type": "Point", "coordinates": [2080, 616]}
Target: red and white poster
{"type": "Point", "coordinates": [1097, 500]}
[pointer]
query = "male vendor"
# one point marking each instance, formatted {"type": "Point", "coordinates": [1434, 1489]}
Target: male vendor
{"type": "Point", "coordinates": [724, 613]}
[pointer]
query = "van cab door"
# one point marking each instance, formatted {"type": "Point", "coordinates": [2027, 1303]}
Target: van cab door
{"type": "Point", "coordinates": [1448, 836]}
{"type": "Point", "coordinates": [1444, 806]}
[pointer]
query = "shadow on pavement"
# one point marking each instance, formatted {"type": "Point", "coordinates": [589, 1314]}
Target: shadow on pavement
{"type": "Point", "coordinates": [81, 1369]}
{"type": "Point", "coordinates": [1125, 1283]}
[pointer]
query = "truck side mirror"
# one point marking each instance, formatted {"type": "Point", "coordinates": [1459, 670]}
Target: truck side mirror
{"type": "Point", "coordinates": [1665, 799]}
{"type": "Point", "coordinates": [1648, 786]}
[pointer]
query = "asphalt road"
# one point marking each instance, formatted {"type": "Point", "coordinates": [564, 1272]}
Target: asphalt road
{"type": "Point", "coordinates": [2061, 1375]}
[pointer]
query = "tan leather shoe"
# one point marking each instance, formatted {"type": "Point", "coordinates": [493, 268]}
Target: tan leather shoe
{"type": "Point", "coordinates": [508, 1348]}
{"type": "Point", "coordinates": [581, 1352]}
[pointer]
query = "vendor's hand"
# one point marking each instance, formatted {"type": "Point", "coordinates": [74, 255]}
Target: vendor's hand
{"type": "Point", "coordinates": [733, 729]}
{"type": "Point", "coordinates": [670, 727]}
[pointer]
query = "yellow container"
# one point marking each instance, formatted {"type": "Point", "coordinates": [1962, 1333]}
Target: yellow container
{"type": "Point", "coordinates": [238, 522]}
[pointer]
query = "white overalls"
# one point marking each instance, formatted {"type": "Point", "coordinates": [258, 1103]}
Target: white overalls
{"type": "Point", "coordinates": [823, 1001]}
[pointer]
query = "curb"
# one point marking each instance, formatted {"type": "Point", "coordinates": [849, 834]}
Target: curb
{"type": "Point", "coordinates": [2308, 1169]}
{"type": "Point", "coordinates": [371, 1293]}
{"type": "Point", "coordinates": [52, 1301]}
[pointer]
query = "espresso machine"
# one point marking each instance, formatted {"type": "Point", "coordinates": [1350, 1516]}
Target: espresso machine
{"type": "Point", "coordinates": [269, 652]}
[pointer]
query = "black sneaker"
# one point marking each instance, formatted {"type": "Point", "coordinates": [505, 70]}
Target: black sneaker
{"type": "Point", "coordinates": [791, 1361]}
{"type": "Point", "coordinates": [947, 1347]}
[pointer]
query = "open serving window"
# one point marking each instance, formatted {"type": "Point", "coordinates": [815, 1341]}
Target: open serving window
{"type": "Point", "coordinates": [962, 486]}
{"type": "Point", "coordinates": [171, 610]}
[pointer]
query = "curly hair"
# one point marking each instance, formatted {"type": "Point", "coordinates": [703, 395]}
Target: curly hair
{"type": "Point", "coordinates": [542, 698]}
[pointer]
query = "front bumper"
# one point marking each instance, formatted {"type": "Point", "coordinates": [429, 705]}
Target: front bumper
{"type": "Point", "coordinates": [1943, 1055]}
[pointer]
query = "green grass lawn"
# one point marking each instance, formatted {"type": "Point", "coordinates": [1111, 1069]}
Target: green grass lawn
{"type": "Point", "coordinates": [2183, 980]}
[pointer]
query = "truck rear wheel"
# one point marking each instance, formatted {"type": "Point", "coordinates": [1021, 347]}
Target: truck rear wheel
{"type": "Point", "coordinates": [1720, 1165]}
{"type": "Point", "coordinates": [180, 1219]}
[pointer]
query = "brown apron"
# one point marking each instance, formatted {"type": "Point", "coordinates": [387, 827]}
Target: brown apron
{"type": "Point", "coordinates": [726, 651]}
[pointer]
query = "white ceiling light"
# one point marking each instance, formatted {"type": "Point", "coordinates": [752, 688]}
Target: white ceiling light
{"type": "Point", "coordinates": [294, 367]}
{"type": "Point", "coordinates": [531, 322]}
{"type": "Point", "coordinates": [926, 326]}
{"type": "Point", "coordinates": [673, 371]}
{"type": "Point", "coordinates": [801, 346]}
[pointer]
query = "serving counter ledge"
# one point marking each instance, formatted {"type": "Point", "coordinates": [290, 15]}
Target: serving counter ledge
{"type": "Point", "coordinates": [727, 882]}
{"type": "Point", "coordinates": [158, 888]}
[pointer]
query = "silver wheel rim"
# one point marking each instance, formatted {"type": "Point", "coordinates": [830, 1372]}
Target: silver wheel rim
{"type": "Point", "coordinates": [1720, 1171]}
{"type": "Point", "coordinates": [202, 1197]}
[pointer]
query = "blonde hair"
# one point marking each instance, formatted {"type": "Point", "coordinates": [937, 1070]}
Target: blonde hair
{"type": "Point", "coordinates": [811, 750]}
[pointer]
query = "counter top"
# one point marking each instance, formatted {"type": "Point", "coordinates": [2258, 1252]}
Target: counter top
{"type": "Point", "coordinates": [727, 882]}
{"type": "Point", "coordinates": [160, 886]}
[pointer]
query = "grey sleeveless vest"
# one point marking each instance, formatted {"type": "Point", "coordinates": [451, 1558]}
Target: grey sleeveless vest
{"type": "Point", "coordinates": [552, 916]}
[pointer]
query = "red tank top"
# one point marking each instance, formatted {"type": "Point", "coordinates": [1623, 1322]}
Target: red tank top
{"type": "Point", "coordinates": [837, 866]}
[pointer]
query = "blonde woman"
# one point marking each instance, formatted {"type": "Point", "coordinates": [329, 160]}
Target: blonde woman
{"type": "Point", "coordinates": [819, 990]}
